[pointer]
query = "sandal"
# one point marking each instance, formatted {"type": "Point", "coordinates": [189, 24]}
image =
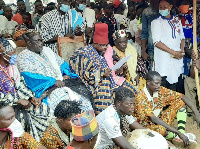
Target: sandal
{"type": "Point", "coordinates": [192, 138]}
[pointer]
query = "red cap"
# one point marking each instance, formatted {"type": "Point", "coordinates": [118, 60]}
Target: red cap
{"type": "Point", "coordinates": [101, 33]}
{"type": "Point", "coordinates": [116, 3]}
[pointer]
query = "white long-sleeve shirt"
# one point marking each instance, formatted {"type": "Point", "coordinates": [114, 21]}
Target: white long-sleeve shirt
{"type": "Point", "coordinates": [169, 32]}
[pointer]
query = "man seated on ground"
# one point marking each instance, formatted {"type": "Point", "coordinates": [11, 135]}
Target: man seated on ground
{"type": "Point", "coordinates": [156, 108]}
{"type": "Point", "coordinates": [43, 70]}
{"type": "Point", "coordinates": [12, 134]}
{"type": "Point", "coordinates": [58, 135]}
{"type": "Point", "coordinates": [85, 123]}
{"type": "Point", "coordinates": [62, 21]}
{"type": "Point", "coordinates": [116, 121]}
{"type": "Point", "coordinates": [88, 62]}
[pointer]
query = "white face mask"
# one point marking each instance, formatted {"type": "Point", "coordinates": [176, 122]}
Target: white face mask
{"type": "Point", "coordinates": [16, 128]}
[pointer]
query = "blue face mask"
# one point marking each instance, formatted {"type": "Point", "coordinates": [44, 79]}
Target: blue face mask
{"type": "Point", "coordinates": [65, 8]}
{"type": "Point", "coordinates": [81, 7]}
{"type": "Point", "coordinates": [13, 60]}
{"type": "Point", "coordinates": [164, 13]}
{"type": "Point", "coordinates": [1, 12]}
{"type": "Point", "coordinates": [130, 41]}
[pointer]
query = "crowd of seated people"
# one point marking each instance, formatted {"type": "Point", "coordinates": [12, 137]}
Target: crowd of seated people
{"type": "Point", "coordinates": [135, 73]}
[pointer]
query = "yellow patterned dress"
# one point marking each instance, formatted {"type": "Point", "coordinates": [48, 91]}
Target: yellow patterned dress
{"type": "Point", "coordinates": [168, 102]}
{"type": "Point", "coordinates": [24, 142]}
{"type": "Point", "coordinates": [135, 65]}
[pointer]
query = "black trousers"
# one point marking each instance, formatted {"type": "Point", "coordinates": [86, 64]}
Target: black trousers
{"type": "Point", "coordinates": [178, 87]}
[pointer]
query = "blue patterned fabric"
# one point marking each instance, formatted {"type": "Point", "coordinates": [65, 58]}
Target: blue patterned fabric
{"type": "Point", "coordinates": [39, 72]}
{"type": "Point", "coordinates": [38, 83]}
{"type": "Point", "coordinates": [65, 70]}
{"type": "Point", "coordinates": [90, 66]}
{"type": "Point", "coordinates": [76, 19]}
{"type": "Point", "coordinates": [53, 23]}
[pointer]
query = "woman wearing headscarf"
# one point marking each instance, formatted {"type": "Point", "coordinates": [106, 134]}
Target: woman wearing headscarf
{"type": "Point", "coordinates": [135, 68]}
{"type": "Point", "coordinates": [13, 90]}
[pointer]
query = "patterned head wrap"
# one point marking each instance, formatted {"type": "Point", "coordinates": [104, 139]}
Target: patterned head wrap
{"type": "Point", "coordinates": [8, 45]}
{"type": "Point", "coordinates": [21, 32]}
{"type": "Point", "coordinates": [119, 34]}
{"type": "Point", "coordinates": [84, 126]}
{"type": "Point", "coordinates": [18, 33]}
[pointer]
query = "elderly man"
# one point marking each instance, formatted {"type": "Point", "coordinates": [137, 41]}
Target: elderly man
{"type": "Point", "coordinates": [89, 63]}
{"type": "Point", "coordinates": [45, 71]}
{"type": "Point", "coordinates": [13, 90]}
{"type": "Point", "coordinates": [62, 22]}
{"type": "Point", "coordinates": [156, 108]}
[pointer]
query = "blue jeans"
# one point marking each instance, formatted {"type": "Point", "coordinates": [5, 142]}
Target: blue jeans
{"type": "Point", "coordinates": [150, 52]}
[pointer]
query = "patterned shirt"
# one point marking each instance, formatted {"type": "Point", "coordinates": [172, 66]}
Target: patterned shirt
{"type": "Point", "coordinates": [145, 108]}
{"type": "Point", "coordinates": [24, 142]}
{"type": "Point", "coordinates": [54, 137]}
{"type": "Point", "coordinates": [54, 24]}
{"type": "Point", "coordinates": [11, 93]}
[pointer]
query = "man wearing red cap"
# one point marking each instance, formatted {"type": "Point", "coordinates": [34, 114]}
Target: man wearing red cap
{"type": "Point", "coordinates": [110, 20]}
{"type": "Point", "coordinates": [89, 63]}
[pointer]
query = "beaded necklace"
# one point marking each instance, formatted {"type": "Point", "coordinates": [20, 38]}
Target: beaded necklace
{"type": "Point", "coordinates": [111, 19]}
{"type": "Point", "coordinates": [7, 74]}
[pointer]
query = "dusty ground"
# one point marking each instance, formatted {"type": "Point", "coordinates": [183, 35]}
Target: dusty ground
{"type": "Point", "coordinates": [191, 128]}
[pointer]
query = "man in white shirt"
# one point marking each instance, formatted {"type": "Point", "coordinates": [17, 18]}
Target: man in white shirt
{"type": "Point", "coordinates": [169, 43]}
{"type": "Point", "coordinates": [63, 22]}
{"type": "Point", "coordinates": [116, 121]}
{"type": "Point", "coordinates": [3, 23]}
{"type": "Point", "coordinates": [10, 24]}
